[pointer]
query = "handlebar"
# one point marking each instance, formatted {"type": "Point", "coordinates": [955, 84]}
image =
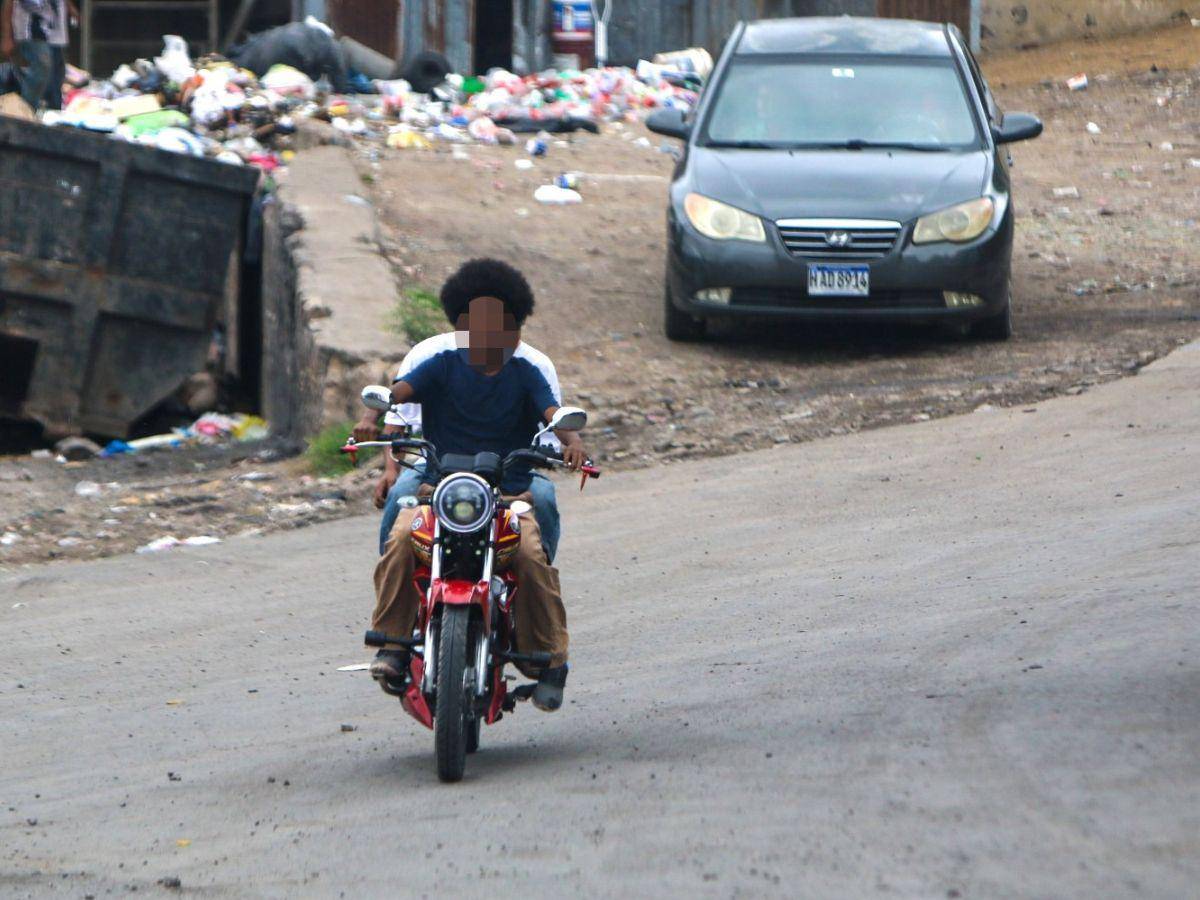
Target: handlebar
{"type": "Point", "coordinates": [539, 458]}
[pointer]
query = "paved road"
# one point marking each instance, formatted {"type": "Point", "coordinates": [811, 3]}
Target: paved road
{"type": "Point", "coordinates": [957, 658]}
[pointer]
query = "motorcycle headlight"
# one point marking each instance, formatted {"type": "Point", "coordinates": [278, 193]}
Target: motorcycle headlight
{"type": "Point", "coordinates": [721, 221]}
{"type": "Point", "coordinates": [464, 503]}
{"type": "Point", "coordinates": [960, 223]}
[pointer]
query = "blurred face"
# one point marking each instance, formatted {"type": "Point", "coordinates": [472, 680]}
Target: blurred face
{"type": "Point", "coordinates": [488, 333]}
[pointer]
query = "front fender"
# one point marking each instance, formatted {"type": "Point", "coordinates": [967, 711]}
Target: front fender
{"type": "Point", "coordinates": [453, 592]}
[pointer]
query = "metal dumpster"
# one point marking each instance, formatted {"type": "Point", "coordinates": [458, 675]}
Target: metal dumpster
{"type": "Point", "coordinates": [115, 261]}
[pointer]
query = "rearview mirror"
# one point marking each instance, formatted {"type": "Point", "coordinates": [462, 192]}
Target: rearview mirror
{"type": "Point", "coordinates": [669, 122]}
{"type": "Point", "coordinates": [568, 418]}
{"type": "Point", "coordinates": [1017, 127]}
{"type": "Point", "coordinates": [376, 396]}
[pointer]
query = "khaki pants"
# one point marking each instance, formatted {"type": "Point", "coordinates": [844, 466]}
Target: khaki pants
{"type": "Point", "coordinates": [539, 619]}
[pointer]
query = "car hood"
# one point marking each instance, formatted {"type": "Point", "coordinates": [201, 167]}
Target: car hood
{"type": "Point", "coordinates": [867, 184]}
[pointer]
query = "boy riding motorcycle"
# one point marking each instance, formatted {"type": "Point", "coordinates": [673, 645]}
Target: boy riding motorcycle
{"type": "Point", "coordinates": [482, 396]}
{"type": "Point", "coordinates": [397, 483]}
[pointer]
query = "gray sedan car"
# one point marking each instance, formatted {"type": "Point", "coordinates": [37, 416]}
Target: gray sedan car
{"type": "Point", "coordinates": [843, 168]}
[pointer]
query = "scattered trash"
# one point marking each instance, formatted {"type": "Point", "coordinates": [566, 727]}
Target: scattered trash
{"type": "Point", "coordinates": [1071, 192]}
{"type": "Point", "coordinates": [1078, 82]}
{"type": "Point", "coordinates": [9, 538]}
{"type": "Point", "coordinates": [552, 193]}
{"type": "Point", "coordinates": [87, 489]}
{"type": "Point", "coordinates": [115, 448]}
{"type": "Point", "coordinates": [242, 110]}
{"type": "Point", "coordinates": [348, 728]}
{"type": "Point", "coordinates": [169, 542]}
{"type": "Point", "coordinates": [1093, 128]}
{"type": "Point", "coordinates": [569, 180]}
{"type": "Point", "coordinates": [77, 448]}
{"type": "Point", "coordinates": [535, 147]}
{"type": "Point", "coordinates": [183, 842]}
{"type": "Point", "coordinates": [692, 61]}
{"type": "Point", "coordinates": [171, 882]}
{"type": "Point", "coordinates": [173, 703]}
{"type": "Point", "coordinates": [523, 164]}
{"type": "Point", "coordinates": [1166, 147]}
{"type": "Point", "coordinates": [356, 667]}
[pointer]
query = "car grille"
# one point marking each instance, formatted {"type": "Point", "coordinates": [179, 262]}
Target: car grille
{"type": "Point", "coordinates": [838, 238]}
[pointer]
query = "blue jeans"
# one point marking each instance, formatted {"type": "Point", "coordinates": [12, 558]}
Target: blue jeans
{"type": "Point", "coordinates": [545, 507]}
{"type": "Point", "coordinates": [41, 78]}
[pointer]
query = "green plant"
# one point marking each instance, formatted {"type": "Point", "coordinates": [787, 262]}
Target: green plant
{"type": "Point", "coordinates": [324, 454]}
{"type": "Point", "coordinates": [418, 315]}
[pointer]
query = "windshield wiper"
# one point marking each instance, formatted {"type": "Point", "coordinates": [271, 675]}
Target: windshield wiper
{"type": "Point", "coordinates": [742, 145]}
{"type": "Point", "coordinates": [860, 144]}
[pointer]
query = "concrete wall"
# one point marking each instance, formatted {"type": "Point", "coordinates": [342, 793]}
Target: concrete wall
{"type": "Point", "coordinates": [328, 294]}
{"type": "Point", "coordinates": [1015, 23]}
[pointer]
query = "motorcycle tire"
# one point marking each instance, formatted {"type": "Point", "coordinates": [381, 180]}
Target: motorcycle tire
{"type": "Point", "coordinates": [450, 725]}
{"type": "Point", "coordinates": [473, 728]}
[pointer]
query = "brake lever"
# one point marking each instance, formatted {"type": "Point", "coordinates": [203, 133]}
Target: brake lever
{"type": "Point", "coordinates": [351, 450]}
{"type": "Point", "coordinates": [587, 470]}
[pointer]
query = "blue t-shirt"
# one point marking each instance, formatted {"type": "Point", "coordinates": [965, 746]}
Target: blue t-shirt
{"type": "Point", "coordinates": [465, 411]}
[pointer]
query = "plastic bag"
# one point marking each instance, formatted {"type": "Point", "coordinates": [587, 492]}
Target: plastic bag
{"type": "Point", "coordinates": [175, 63]}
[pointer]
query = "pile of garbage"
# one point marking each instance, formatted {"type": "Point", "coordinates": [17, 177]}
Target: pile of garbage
{"type": "Point", "coordinates": [211, 428]}
{"type": "Point", "coordinates": [217, 107]}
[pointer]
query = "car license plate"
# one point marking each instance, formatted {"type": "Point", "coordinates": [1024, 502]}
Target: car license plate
{"type": "Point", "coordinates": [839, 281]}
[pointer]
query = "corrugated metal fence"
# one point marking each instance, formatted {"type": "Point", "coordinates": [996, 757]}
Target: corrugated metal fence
{"type": "Point", "coordinates": [638, 29]}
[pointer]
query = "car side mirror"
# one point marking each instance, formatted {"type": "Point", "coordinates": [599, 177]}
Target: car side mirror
{"type": "Point", "coordinates": [1017, 127]}
{"type": "Point", "coordinates": [669, 122]}
{"type": "Point", "coordinates": [376, 396]}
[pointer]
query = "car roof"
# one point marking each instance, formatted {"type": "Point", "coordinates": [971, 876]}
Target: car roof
{"type": "Point", "coordinates": [844, 35]}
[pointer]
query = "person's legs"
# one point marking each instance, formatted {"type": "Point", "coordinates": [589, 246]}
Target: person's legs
{"type": "Point", "coordinates": [35, 74]}
{"type": "Point", "coordinates": [58, 74]}
{"type": "Point", "coordinates": [539, 619]}
{"type": "Point", "coordinates": [407, 484]}
{"type": "Point", "coordinates": [545, 507]}
{"type": "Point", "coordinates": [396, 597]}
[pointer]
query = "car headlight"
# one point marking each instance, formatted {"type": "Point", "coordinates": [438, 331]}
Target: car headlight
{"type": "Point", "coordinates": [721, 221]}
{"type": "Point", "coordinates": [960, 223]}
{"type": "Point", "coordinates": [464, 503]}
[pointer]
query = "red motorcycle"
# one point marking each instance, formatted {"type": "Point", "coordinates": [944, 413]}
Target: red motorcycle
{"type": "Point", "coordinates": [464, 538]}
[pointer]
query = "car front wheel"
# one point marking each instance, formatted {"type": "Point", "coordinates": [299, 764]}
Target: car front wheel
{"type": "Point", "coordinates": [997, 327]}
{"type": "Point", "coordinates": [679, 325]}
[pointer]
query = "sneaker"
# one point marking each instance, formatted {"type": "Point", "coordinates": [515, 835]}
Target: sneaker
{"type": "Point", "coordinates": [548, 695]}
{"type": "Point", "coordinates": [390, 669]}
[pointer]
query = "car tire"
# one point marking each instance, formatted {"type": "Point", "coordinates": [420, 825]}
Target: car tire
{"type": "Point", "coordinates": [997, 327]}
{"type": "Point", "coordinates": [678, 325]}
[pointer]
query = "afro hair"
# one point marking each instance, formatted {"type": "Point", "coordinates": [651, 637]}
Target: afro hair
{"type": "Point", "coordinates": [487, 278]}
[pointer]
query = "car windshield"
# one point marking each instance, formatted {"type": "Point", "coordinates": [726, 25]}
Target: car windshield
{"type": "Point", "coordinates": [918, 104]}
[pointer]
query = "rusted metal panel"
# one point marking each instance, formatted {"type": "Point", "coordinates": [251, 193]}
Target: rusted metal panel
{"type": "Point", "coordinates": [956, 11]}
{"type": "Point", "coordinates": [113, 264]}
{"type": "Point", "coordinates": [370, 22]}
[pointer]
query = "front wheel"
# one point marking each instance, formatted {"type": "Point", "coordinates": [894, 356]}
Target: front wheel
{"type": "Point", "coordinates": [678, 325]}
{"type": "Point", "coordinates": [450, 725]}
{"type": "Point", "coordinates": [473, 728]}
{"type": "Point", "coordinates": [997, 327]}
